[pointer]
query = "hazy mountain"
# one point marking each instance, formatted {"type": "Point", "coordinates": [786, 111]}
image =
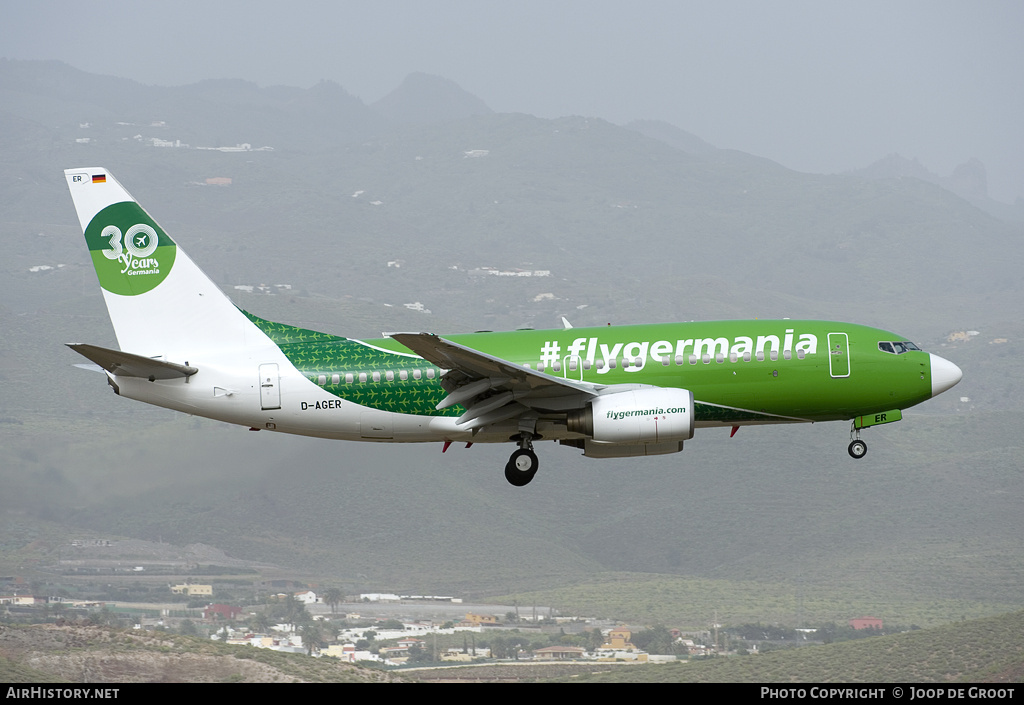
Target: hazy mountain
{"type": "Point", "coordinates": [49, 90]}
{"type": "Point", "coordinates": [672, 135]}
{"type": "Point", "coordinates": [968, 180]}
{"type": "Point", "coordinates": [423, 99]}
{"type": "Point", "coordinates": [212, 113]}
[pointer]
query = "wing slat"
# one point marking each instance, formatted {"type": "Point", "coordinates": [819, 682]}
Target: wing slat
{"type": "Point", "coordinates": [479, 373]}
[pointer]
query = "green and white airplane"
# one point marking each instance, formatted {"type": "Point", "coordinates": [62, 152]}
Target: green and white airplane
{"type": "Point", "coordinates": [613, 392]}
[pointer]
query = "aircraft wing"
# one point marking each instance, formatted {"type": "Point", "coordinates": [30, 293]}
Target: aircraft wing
{"type": "Point", "coordinates": [490, 388]}
{"type": "Point", "coordinates": [128, 365]}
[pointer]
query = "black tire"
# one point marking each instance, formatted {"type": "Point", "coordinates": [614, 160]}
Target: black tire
{"type": "Point", "coordinates": [858, 449]}
{"type": "Point", "coordinates": [521, 467]}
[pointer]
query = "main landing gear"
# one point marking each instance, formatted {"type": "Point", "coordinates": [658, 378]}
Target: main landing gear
{"type": "Point", "coordinates": [523, 463]}
{"type": "Point", "coordinates": [858, 448]}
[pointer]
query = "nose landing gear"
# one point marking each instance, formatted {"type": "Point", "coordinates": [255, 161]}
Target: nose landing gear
{"type": "Point", "coordinates": [858, 448]}
{"type": "Point", "coordinates": [523, 463]}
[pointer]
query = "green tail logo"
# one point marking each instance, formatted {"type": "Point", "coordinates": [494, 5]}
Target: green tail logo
{"type": "Point", "coordinates": [131, 253]}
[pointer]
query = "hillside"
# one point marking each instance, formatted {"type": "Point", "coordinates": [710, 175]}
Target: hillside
{"type": "Point", "coordinates": [978, 651]}
{"type": "Point", "coordinates": [983, 651]}
{"type": "Point", "coordinates": [94, 654]}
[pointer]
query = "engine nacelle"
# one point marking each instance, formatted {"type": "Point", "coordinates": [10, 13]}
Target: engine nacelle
{"type": "Point", "coordinates": [646, 415]}
{"type": "Point", "coordinates": [593, 449]}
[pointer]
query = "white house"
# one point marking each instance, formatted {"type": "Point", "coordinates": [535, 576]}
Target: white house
{"type": "Point", "coordinates": [307, 597]}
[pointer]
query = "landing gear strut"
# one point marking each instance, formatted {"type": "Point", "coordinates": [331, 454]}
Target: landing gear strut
{"type": "Point", "coordinates": [858, 448]}
{"type": "Point", "coordinates": [522, 465]}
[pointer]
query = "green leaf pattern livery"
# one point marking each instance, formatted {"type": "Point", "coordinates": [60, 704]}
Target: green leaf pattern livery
{"type": "Point", "coordinates": [322, 355]}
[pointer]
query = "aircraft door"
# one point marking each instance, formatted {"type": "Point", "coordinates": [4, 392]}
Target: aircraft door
{"type": "Point", "coordinates": [839, 354]}
{"type": "Point", "coordinates": [270, 386]}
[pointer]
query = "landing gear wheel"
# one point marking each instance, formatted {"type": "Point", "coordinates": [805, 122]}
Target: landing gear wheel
{"type": "Point", "coordinates": [521, 467]}
{"type": "Point", "coordinates": [858, 449]}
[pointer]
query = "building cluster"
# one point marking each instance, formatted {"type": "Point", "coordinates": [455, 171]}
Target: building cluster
{"type": "Point", "coordinates": [401, 642]}
{"type": "Point", "coordinates": [289, 642]}
{"type": "Point", "coordinates": [173, 143]}
{"type": "Point", "coordinates": [495, 272]}
{"type": "Point", "coordinates": [392, 597]}
{"type": "Point", "coordinates": [263, 288]}
{"type": "Point", "coordinates": [414, 637]}
{"type": "Point", "coordinates": [192, 589]}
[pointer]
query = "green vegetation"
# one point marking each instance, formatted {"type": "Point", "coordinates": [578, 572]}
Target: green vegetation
{"type": "Point", "coordinates": [987, 650]}
{"type": "Point", "coordinates": [693, 603]}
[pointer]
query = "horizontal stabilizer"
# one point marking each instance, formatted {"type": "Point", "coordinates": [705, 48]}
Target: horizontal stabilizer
{"type": "Point", "coordinates": [89, 366]}
{"type": "Point", "coordinates": [127, 365]}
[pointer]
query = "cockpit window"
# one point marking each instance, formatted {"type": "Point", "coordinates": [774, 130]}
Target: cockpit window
{"type": "Point", "coordinates": [897, 347]}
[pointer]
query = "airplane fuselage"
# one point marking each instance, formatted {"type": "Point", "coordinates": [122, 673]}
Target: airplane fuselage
{"type": "Point", "coordinates": [740, 372]}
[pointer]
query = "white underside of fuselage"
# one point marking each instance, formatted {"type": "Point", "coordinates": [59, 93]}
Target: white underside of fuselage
{"type": "Point", "coordinates": [228, 391]}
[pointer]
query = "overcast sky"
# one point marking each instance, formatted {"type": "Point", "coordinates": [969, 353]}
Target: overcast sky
{"type": "Point", "coordinates": [817, 86]}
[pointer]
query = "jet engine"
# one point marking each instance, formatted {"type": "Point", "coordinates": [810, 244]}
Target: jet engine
{"type": "Point", "coordinates": [639, 416]}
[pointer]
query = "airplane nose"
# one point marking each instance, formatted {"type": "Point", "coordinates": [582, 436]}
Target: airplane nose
{"type": "Point", "coordinates": [944, 374]}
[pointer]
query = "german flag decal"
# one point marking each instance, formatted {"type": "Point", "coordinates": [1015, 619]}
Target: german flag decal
{"type": "Point", "coordinates": [100, 179]}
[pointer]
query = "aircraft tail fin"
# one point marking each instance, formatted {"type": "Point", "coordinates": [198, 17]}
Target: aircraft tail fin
{"type": "Point", "coordinates": [160, 303]}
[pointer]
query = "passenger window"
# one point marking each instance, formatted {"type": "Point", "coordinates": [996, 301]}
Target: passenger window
{"type": "Point", "coordinates": [760, 356]}
{"type": "Point", "coordinates": [362, 377]}
{"type": "Point", "coordinates": [430, 373]}
{"type": "Point", "coordinates": [390, 376]}
{"type": "Point", "coordinates": [403, 375]}
{"type": "Point", "coordinates": [349, 378]}
{"type": "Point", "coordinates": [746, 357]}
{"type": "Point", "coordinates": [321, 380]}
{"type": "Point", "coordinates": [416, 374]}
{"type": "Point", "coordinates": [335, 379]}
{"type": "Point", "coordinates": [376, 376]}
